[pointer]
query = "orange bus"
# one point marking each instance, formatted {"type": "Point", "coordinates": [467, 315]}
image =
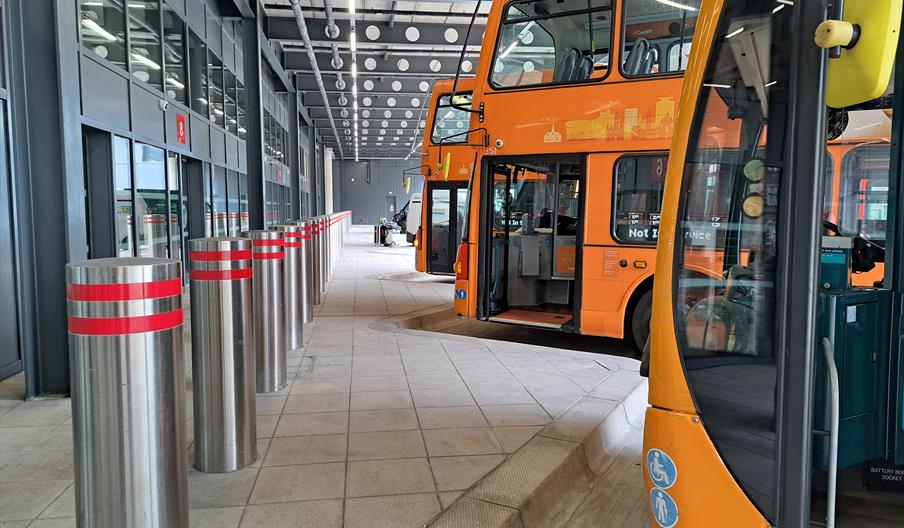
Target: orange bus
{"type": "Point", "coordinates": [577, 99]}
{"type": "Point", "coordinates": [449, 154]}
{"type": "Point", "coordinates": [776, 386]}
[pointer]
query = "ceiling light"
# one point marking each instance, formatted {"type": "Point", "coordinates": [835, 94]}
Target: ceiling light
{"type": "Point", "coordinates": [354, 70]}
{"type": "Point", "coordinates": [173, 82]}
{"type": "Point", "coordinates": [95, 27]}
{"type": "Point", "coordinates": [351, 6]}
{"type": "Point", "coordinates": [146, 61]}
{"type": "Point", "coordinates": [735, 32]}
{"type": "Point", "coordinates": [353, 41]}
{"type": "Point", "coordinates": [678, 5]}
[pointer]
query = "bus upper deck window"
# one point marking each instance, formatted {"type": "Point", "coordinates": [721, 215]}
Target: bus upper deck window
{"type": "Point", "coordinates": [552, 42]}
{"type": "Point", "coordinates": [657, 36]}
{"type": "Point", "coordinates": [452, 120]}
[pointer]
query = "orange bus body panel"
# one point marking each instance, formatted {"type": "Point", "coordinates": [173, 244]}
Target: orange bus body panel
{"type": "Point", "coordinates": [705, 492]}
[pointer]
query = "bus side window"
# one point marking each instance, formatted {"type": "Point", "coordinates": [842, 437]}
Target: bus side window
{"type": "Point", "coordinates": [639, 186]}
{"type": "Point", "coordinates": [652, 27]}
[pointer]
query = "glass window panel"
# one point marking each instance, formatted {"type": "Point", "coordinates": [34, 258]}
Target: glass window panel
{"type": "Point", "coordinates": [451, 123]}
{"type": "Point", "coordinates": [208, 204]}
{"type": "Point", "coordinates": [220, 212]}
{"type": "Point", "coordinates": [103, 29]}
{"type": "Point", "coordinates": [174, 52]}
{"type": "Point", "coordinates": [197, 63]}
{"type": "Point", "coordinates": [122, 189]}
{"type": "Point", "coordinates": [151, 210]}
{"type": "Point", "coordinates": [144, 41]}
{"type": "Point", "coordinates": [462, 211]}
{"type": "Point", "coordinates": [544, 41]}
{"type": "Point", "coordinates": [176, 228]}
{"type": "Point", "coordinates": [229, 105]}
{"type": "Point", "coordinates": [243, 202]}
{"type": "Point", "coordinates": [2, 48]}
{"type": "Point", "coordinates": [657, 36]}
{"type": "Point", "coordinates": [232, 187]}
{"type": "Point", "coordinates": [240, 109]}
{"type": "Point", "coordinates": [215, 71]}
{"type": "Point", "coordinates": [639, 186]}
{"type": "Point", "coordinates": [727, 242]}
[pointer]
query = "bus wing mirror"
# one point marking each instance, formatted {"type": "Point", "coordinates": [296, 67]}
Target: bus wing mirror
{"type": "Point", "coordinates": [869, 37]}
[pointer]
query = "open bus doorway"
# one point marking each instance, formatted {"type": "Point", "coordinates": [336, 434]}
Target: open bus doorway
{"type": "Point", "coordinates": [531, 229]}
{"type": "Point", "coordinates": [447, 204]}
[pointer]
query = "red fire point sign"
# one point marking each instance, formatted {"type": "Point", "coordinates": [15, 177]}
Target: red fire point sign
{"type": "Point", "coordinates": [180, 128]}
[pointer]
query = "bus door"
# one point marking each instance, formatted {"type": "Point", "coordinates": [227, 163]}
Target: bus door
{"type": "Point", "coordinates": [531, 228]}
{"type": "Point", "coordinates": [447, 204]}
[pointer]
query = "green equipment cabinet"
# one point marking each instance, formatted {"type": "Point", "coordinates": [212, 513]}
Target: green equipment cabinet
{"type": "Point", "coordinates": [857, 323]}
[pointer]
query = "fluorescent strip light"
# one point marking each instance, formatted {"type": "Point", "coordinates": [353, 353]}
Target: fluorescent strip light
{"type": "Point", "coordinates": [778, 8]}
{"type": "Point", "coordinates": [678, 5]}
{"type": "Point", "coordinates": [173, 82]}
{"type": "Point", "coordinates": [353, 41]}
{"type": "Point", "coordinates": [351, 6]}
{"type": "Point", "coordinates": [786, 2]}
{"type": "Point", "coordinates": [354, 70]}
{"type": "Point", "coordinates": [95, 27]}
{"type": "Point", "coordinates": [217, 111]}
{"type": "Point", "coordinates": [773, 83]}
{"type": "Point", "coordinates": [146, 61]}
{"type": "Point", "coordinates": [735, 32]}
{"type": "Point", "coordinates": [727, 87]}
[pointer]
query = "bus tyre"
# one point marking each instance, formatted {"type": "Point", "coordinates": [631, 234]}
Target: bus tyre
{"type": "Point", "coordinates": [640, 320]}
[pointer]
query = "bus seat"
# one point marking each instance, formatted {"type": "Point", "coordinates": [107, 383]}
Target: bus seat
{"type": "Point", "coordinates": [635, 59]}
{"type": "Point", "coordinates": [647, 67]}
{"type": "Point", "coordinates": [585, 70]}
{"type": "Point", "coordinates": [567, 66]}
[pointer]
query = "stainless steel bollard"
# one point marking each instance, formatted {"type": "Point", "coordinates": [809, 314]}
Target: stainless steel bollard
{"type": "Point", "coordinates": [306, 269]}
{"type": "Point", "coordinates": [269, 324]}
{"type": "Point", "coordinates": [324, 270]}
{"type": "Point", "coordinates": [222, 338]}
{"type": "Point", "coordinates": [315, 259]}
{"type": "Point", "coordinates": [128, 386]}
{"type": "Point", "coordinates": [292, 286]}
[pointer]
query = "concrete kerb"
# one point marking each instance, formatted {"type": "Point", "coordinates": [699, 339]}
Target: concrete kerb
{"type": "Point", "coordinates": [543, 483]}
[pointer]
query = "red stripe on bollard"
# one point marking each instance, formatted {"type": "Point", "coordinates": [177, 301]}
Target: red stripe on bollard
{"type": "Point", "coordinates": [268, 243]}
{"type": "Point", "coordinates": [277, 255]}
{"type": "Point", "coordinates": [291, 234]}
{"type": "Point", "coordinates": [306, 237]}
{"type": "Point", "coordinates": [125, 325]}
{"type": "Point", "coordinates": [123, 292]}
{"type": "Point", "coordinates": [244, 273]}
{"type": "Point", "coordinates": [293, 244]}
{"type": "Point", "coordinates": [212, 256]}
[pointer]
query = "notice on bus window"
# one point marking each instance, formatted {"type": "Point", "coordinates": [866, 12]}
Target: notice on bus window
{"type": "Point", "coordinates": [703, 233]}
{"type": "Point", "coordinates": [637, 227]}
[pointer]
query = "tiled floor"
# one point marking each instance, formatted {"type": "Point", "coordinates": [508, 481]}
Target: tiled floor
{"type": "Point", "coordinates": [376, 429]}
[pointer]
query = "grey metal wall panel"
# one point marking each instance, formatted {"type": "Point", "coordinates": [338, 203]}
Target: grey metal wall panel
{"type": "Point", "coordinates": [197, 16]}
{"type": "Point", "coordinates": [147, 116]}
{"type": "Point", "coordinates": [214, 34]}
{"type": "Point", "coordinates": [217, 145]}
{"type": "Point", "coordinates": [232, 152]}
{"type": "Point", "coordinates": [200, 137]}
{"type": "Point", "coordinates": [178, 5]}
{"type": "Point", "coordinates": [243, 156]}
{"type": "Point", "coordinates": [367, 199]}
{"type": "Point", "coordinates": [105, 95]}
{"type": "Point", "coordinates": [173, 112]}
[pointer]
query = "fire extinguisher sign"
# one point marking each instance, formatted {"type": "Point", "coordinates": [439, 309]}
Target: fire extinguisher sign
{"type": "Point", "coordinates": [180, 128]}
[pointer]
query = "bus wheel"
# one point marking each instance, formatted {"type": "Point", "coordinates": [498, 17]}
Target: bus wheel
{"type": "Point", "coordinates": [640, 320]}
{"type": "Point", "coordinates": [645, 360]}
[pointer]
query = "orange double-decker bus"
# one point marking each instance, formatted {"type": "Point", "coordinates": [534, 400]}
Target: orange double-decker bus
{"type": "Point", "coordinates": [575, 102]}
{"type": "Point", "coordinates": [448, 164]}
